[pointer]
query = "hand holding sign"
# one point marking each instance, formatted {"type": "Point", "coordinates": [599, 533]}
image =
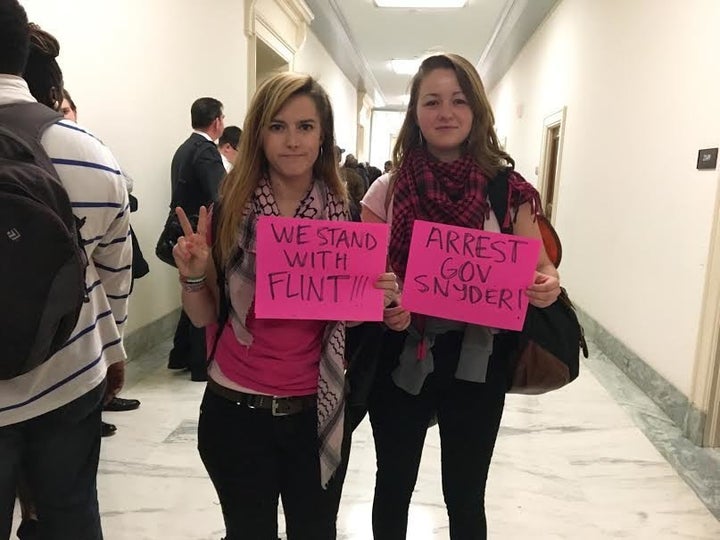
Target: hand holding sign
{"type": "Point", "coordinates": [191, 252]}
{"type": "Point", "coordinates": [387, 282]}
{"type": "Point", "coordinates": [397, 318]}
{"type": "Point", "coordinates": [544, 290]}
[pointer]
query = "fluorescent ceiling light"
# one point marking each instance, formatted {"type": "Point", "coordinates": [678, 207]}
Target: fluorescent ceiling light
{"type": "Point", "coordinates": [420, 3]}
{"type": "Point", "coordinates": [405, 67]}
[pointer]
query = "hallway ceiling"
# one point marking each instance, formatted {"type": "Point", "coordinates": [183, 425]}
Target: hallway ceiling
{"type": "Point", "coordinates": [363, 39]}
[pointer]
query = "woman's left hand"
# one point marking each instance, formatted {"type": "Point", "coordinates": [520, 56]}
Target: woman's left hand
{"type": "Point", "coordinates": [544, 290]}
{"type": "Point", "coordinates": [389, 284]}
{"type": "Point", "coordinates": [397, 318]}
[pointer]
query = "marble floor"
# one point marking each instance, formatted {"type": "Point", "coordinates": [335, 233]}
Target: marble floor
{"type": "Point", "coordinates": [571, 464]}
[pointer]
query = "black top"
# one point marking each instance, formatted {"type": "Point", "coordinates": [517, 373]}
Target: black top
{"type": "Point", "coordinates": [196, 172]}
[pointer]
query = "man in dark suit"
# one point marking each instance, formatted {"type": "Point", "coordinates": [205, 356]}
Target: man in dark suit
{"type": "Point", "coordinates": [196, 172]}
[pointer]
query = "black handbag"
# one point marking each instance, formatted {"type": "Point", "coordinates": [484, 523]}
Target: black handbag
{"type": "Point", "coordinates": [545, 354]}
{"type": "Point", "coordinates": [169, 236]}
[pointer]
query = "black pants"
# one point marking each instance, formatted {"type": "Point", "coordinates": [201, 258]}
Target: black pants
{"type": "Point", "coordinates": [253, 458]}
{"type": "Point", "coordinates": [469, 419]}
{"type": "Point", "coordinates": [58, 452]}
{"type": "Point", "coordinates": [188, 346]}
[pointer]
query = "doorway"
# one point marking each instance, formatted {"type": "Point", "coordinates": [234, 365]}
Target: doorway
{"type": "Point", "coordinates": [712, 431]}
{"type": "Point", "coordinates": [552, 139]}
{"type": "Point", "coordinates": [267, 62]}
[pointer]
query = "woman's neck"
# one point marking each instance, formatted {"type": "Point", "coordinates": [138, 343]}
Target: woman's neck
{"type": "Point", "coordinates": [288, 192]}
{"type": "Point", "coordinates": [444, 155]}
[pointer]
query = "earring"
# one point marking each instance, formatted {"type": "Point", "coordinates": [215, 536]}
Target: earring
{"type": "Point", "coordinates": [421, 137]}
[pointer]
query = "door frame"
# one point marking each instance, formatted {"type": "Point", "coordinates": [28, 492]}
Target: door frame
{"type": "Point", "coordinates": [706, 388]}
{"type": "Point", "coordinates": [551, 121]}
{"type": "Point", "coordinates": [281, 24]}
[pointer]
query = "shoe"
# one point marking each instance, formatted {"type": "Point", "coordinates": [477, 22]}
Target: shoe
{"type": "Point", "coordinates": [175, 361]}
{"type": "Point", "coordinates": [108, 429]}
{"type": "Point", "coordinates": [120, 404]}
{"type": "Point", "coordinates": [28, 529]}
{"type": "Point", "coordinates": [199, 375]}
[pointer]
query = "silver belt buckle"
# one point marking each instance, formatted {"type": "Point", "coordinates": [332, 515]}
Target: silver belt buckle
{"type": "Point", "coordinates": [276, 408]}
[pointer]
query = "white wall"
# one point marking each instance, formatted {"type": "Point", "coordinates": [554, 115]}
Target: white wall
{"type": "Point", "coordinates": [134, 68]}
{"type": "Point", "coordinates": [385, 125]}
{"type": "Point", "coordinates": [641, 91]}
{"type": "Point", "coordinates": [313, 59]}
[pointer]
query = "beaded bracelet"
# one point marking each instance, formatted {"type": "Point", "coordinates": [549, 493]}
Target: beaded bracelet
{"type": "Point", "coordinates": [192, 284]}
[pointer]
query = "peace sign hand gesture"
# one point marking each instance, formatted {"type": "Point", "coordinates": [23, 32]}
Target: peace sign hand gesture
{"type": "Point", "coordinates": [192, 251]}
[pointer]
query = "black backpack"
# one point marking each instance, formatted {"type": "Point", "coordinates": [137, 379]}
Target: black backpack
{"type": "Point", "coordinates": [42, 261]}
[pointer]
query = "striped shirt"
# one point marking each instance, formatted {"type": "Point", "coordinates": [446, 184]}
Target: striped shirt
{"type": "Point", "coordinates": [97, 192]}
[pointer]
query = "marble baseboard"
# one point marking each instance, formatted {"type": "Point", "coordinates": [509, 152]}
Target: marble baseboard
{"type": "Point", "coordinates": [689, 419]}
{"type": "Point", "coordinates": [147, 337]}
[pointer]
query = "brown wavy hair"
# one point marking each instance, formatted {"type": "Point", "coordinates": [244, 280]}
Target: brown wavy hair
{"type": "Point", "coordinates": [42, 72]}
{"type": "Point", "coordinates": [251, 164]}
{"type": "Point", "coordinates": [482, 142]}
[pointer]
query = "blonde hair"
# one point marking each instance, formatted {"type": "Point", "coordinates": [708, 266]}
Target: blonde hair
{"type": "Point", "coordinates": [251, 164]}
{"type": "Point", "coordinates": [482, 142]}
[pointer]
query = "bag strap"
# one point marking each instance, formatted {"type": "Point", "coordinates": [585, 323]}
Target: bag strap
{"type": "Point", "coordinates": [498, 196]}
{"type": "Point", "coordinates": [25, 123]}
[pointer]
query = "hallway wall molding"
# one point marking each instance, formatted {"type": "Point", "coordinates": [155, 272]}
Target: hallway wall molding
{"type": "Point", "coordinates": [688, 418]}
{"type": "Point", "coordinates": [140, 341]}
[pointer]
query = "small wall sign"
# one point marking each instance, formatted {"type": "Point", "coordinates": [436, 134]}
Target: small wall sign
{"type": "Point", "coordinates": [707, 158]}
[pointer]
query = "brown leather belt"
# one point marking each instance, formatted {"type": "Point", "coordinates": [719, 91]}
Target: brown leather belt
{"type": "Point", "coordinates": [278, 406]}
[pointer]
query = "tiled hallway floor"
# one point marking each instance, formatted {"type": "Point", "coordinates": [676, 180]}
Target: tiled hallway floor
{"type": "Point", "coordinates": [568, 465]}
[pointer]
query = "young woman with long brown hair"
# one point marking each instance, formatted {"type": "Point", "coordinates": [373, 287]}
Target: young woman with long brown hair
{"type": "Point", "coordinates": [271, 420]}
{"type": "Point", "coordinates": [446, 154]}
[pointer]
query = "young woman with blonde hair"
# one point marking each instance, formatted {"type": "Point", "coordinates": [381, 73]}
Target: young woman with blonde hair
{"type": "Point", "coordinates": [271, 420]}
{"type": "Point", "coordinates": [446, 155]}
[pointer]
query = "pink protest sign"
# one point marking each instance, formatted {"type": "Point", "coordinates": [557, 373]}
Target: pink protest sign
{"type": "Point", "coordinates": [469, 275]}
{"type": "Point", "coordinates": [315, 269]}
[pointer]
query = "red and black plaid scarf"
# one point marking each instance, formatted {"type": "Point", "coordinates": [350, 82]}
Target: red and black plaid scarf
{"type": "Point", "coordinates": [431, 190]}
{"type": "Point", "coordinates": [451, 193]}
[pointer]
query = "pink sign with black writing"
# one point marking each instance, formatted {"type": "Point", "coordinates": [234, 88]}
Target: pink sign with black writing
{"type": "Point", "coordinates": [469, 275]}
{"type": "Point", "coordinates": [316, 269]}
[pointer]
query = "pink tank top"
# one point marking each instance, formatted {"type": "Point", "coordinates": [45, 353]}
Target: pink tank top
{"type": "Point", "coordinates": [283, 360]}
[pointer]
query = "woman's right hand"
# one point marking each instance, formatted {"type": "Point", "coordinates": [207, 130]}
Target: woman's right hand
{"type": "Point", "coordinates": [191, 253]}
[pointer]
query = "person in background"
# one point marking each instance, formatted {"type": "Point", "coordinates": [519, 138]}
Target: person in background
{"type": "Point", "coordinates": [195, 176]}
{"type": "Point", "coordinates": [50, 416]}
{"type": "Point", "coordinates": [373, 173]}
{"type": "Point", "coordinates": [67, 107]}
{"type": "Point", "coordinates": [272, 417]}
{"type": "Point", "coordinates": [388, 166]}
{"type": "Point", "coordinates": [69, 110]}
{"type": "Point", "coordinates": [352, 164]}
{"type": "Point", "coordinates": [228, 145]}
{"type": "Point", "coordinates": [446, 154]}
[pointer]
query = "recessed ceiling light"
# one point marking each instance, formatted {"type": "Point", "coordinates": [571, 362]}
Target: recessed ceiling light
{"type": "Point", "coordinates": [405, 67]}
{"type": "Point", "coordinates": [421, 3]}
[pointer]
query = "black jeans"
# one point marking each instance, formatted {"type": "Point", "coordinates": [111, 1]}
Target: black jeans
{"type": "Point", "coordinates": [58, 452]}
{"type": "Point", "coordinates": [188, 346]}
{"type": "Point", "coordinates": [469, 419]}
{"type": "Point", "coordinates": [253, 458]}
